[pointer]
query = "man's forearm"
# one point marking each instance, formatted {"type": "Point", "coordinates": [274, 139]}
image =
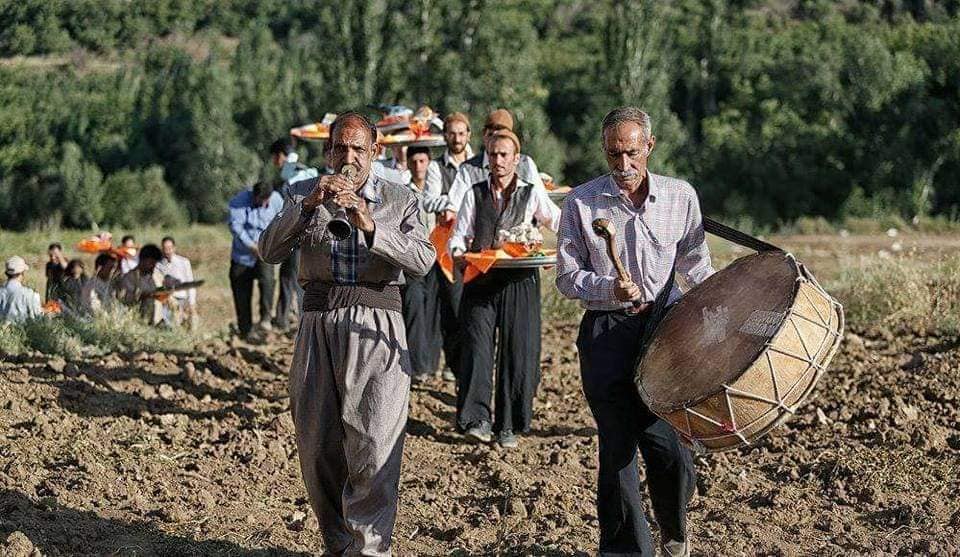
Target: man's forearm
{"type": "Point", "coordinates": [284, 233]}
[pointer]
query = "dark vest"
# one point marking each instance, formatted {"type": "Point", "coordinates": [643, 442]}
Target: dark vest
{"type": "Point", "coordinates": [447, 175]}
{"type": "Point", "coordinates": [488, 221]}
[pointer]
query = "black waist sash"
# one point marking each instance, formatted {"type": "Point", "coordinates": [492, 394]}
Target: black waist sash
{"type": "Point", "coordinates": [327, 296]}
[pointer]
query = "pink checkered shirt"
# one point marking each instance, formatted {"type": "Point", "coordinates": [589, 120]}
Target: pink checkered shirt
{"type": "Point", "coordinates": [666, 232]}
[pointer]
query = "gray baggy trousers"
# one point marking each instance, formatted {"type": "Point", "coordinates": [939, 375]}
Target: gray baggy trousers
{"type": "Point", "coordinates": [349, 390]}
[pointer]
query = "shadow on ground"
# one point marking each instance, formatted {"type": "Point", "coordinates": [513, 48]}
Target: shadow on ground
{"type": "Point", "coordinates": [58, 530]}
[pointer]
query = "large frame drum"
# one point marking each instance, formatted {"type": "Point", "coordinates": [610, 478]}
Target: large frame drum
{"type": "Point", "coordinates": [740, 352]}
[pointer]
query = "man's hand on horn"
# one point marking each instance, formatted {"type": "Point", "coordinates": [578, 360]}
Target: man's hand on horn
{"type": "Point", "coordinates": [327, 186]}
{"type": "Point", "coordinates": [357, 210]}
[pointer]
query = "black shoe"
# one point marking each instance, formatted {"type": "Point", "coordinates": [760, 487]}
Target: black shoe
{"type": "Point", "coordinates": [507, 439]}
{"type": "Point", "coordinates": [480, 431]}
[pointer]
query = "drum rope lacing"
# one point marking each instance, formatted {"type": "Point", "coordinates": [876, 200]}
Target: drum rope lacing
{"type": "Point", "coordinates": [804, 277]}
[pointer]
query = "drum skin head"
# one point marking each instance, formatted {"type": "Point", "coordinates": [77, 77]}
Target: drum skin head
{"type": "Point", "coordinates": [717, 330]}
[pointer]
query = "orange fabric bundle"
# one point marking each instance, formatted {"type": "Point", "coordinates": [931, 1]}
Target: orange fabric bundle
{"type": "Point", "coordinates": [440, 237]}
{"type": "Point", "coordinates": [94, 245]}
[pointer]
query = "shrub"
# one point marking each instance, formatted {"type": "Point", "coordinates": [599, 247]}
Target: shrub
{"type": "Point", "coordinates": [12, 340]}
{"type": "Point", "coordinates": [899, 290]}
{"type": "Point", "coordinates": [137, 198]}
{"type": "Point", "coordinates": [74, 337]}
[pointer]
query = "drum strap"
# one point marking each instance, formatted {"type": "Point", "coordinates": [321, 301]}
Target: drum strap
{"type": "Point", "coordinates": [736, 236]}
{"type": "Point", "coordinates": [657, 312]}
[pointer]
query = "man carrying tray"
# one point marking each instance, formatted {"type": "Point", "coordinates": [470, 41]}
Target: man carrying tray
{"type": "Point", "coordinates": [503, 301]}
{"type": "Point", "coordinates": [349, 380]}
{"type": "Point", "coordinates": [477, 167]}
{"type": "Point", "coordinates": [659, 224]}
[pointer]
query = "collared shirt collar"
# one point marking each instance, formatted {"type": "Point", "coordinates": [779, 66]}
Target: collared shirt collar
{"type": "Point", "coordinates": [611, 189]}
{"type": "Point", "coordinates": [518, 183]}
{"type": "Point", "coordinates": [448, 160]}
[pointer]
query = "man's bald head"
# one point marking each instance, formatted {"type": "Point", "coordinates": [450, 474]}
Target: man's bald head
{"type": "Point", "coordinates": [352, 119]}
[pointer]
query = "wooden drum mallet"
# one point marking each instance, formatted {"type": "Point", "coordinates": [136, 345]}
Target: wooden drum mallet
{"type": "Point", "coordinates": [604, 228]}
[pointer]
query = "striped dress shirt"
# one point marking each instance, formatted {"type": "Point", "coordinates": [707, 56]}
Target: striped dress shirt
{"type": "Point", "coordinates": [665, 233]}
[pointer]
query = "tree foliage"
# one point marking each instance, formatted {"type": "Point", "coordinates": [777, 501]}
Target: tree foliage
{"type": "Point", "coordinates": [114, 112]}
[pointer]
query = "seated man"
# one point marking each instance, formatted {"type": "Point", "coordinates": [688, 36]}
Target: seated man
{"type": "Point", "coordinates": [504, 299]}
{"type": "Point", "coordinates": [100, 291]}
{"type": "Point", "coordinates": [130, 259]}
{"type": "Point", "coordinates": [137, 287]}
{"type": "Point", "coordinates": [177, 269]}
{"type": "Point", "coordinates": [17, 302]}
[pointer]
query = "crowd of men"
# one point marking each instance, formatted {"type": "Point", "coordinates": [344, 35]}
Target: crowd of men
{"type": "Point", "coordinates": [378, 310]}
{"type": "Point", "coordinates": [128, 275]}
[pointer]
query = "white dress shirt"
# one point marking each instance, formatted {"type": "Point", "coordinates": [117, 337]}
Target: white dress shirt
{"type": "Point", "coordinates": [128, 264]}
{"type": "Point", "coordinates": [17, 302]}
{"type": "Point", "coordinates": [539, 207]}
{"type": "Point", "coordinates": [180, 269]}
{"type": "Point", "coordinates": [434, 180]}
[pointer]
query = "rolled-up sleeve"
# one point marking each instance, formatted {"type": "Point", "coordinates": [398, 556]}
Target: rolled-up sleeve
{"type": "Point", "coordinates": [463, 227]}
{"type": "Point", "coordinates": [575, 278]}
{"type": "Point", "coordinates": [405, 246]}
{"type": "Point", "coordinates": [693, 254]}
{"type": "Point", "coordinates": [545, 210]}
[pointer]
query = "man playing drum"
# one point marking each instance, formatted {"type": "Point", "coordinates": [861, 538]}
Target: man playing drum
{"type": "Point", "coordinates": [660, 230]}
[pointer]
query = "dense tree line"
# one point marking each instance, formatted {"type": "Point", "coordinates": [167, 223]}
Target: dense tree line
{"type": "Point", "coordinates": [117, 112]}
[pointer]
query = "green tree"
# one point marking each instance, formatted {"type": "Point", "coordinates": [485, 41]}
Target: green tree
{"type": "Point", "coordinates": [136, 198]}
{"type": "Point", "coordinates": [83, 188]}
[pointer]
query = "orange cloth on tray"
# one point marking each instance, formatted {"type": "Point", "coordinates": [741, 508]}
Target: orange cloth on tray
{"type": "Point", "coordinates": [480, 263]}
{"type": "Point", "coordinates": [440, 237]}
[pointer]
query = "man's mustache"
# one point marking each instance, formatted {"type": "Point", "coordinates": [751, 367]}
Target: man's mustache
{"type": "Point", "coordinates": [626, 174]}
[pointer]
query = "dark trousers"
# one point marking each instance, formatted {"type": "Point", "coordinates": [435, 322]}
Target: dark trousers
{"type": "Point", "coordinates": [241, 283]}
{"type": "Point", "coordinates": [500, 309]}
{"type": "Point", "coordinates": [291, 294]}
{"type": "Point", "coordinates": [609, 344]}
{"type": "Point", "coordinates": [418, 321]}
{"type": "Point", "coordinates": [445, 307]}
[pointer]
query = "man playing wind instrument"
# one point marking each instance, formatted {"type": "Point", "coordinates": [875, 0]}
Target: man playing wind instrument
{"type": "Point", "coordinates": [349, 380]}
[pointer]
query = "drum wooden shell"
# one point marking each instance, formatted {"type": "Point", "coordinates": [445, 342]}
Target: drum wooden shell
{"type": "Point", "coordinates": [740, 352]}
